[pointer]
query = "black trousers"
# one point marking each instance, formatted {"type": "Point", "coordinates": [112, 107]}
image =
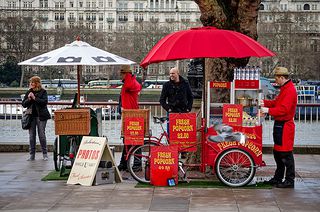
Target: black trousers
{"type": "Point", "coordinates": [285, 166]}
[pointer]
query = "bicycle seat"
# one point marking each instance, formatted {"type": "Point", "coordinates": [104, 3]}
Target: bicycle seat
{"type": "Point", "coordinates": [157, 119]}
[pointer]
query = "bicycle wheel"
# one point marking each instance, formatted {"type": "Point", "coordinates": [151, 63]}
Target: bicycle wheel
{"type": "Point", "coordinates": [138, 162]}
{"type": "Point", "coordinates": [56, 157]}
{"type": "Point", "coordinates": [235, 167]}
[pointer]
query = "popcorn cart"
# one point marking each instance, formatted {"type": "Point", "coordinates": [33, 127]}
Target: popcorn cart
{"type": "Point", "coordinates": [231, 137]}
{"type": "Point", "coordinates": [234, 161]}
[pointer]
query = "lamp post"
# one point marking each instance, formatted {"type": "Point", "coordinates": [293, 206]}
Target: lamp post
{"type": "Point", "coordinates": [59, 82]}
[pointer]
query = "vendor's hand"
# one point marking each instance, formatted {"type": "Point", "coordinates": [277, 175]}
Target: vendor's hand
{"type": "Point", "coordinates": [264, 110]}
{"type": "Point", "coordinates": [262, 102]}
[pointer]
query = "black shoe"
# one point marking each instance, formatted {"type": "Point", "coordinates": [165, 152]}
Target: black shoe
{"type": "Point", "coordinates": [272, 182]}
{"type": "Point", "coordinates": [122, 167]}
{"type": "Point", "coordinates": [286, 184]}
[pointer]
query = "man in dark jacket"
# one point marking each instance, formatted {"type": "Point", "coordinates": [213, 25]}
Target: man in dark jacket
{"type": "Point", "coordinates": [283, 109]}
{"type": "Point", "coordinates": [176, 95]}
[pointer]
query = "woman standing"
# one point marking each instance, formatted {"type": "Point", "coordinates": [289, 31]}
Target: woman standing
{"type": "Point", "coordinates": [36, 98]}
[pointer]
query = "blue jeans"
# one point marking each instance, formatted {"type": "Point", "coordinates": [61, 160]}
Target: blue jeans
{"type": "Point", "coordinates": [36, 124]}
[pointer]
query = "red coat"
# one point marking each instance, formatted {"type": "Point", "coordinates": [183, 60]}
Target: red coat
{"type": "Point", "coordinates": [130, 92]}
{"type": "Point", "coordinates": [283, 109]}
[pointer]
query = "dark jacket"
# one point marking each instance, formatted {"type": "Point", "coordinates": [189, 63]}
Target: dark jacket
{"type": "Point", "coordinates": [176, 97]}
{"type": "Point", "coordinates": [39, 105]}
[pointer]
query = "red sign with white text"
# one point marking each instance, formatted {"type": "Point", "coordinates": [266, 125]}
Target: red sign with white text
{"type": "Point", "coordinates": [163, 165]}
{"type": "Point", "coordinates": [134, 131]}
{"type": "Point", "coordinates": [248, 84]}
{"type": "Point", "coordinates": [232, 114]}
{"type": "Point", "coordinates": [183, 131]}
{"type": "Point", "coordinates": [214, 84]}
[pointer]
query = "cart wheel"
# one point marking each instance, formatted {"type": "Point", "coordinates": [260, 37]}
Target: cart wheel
{"type": "Point", "coordinates": [56, 157]}
{"type": "Point", "coordinates": [138, 163]}
{"type": "Point", "coordinates": [235, 167]}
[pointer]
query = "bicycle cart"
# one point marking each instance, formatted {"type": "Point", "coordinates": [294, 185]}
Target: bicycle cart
{"type": "Point", "coordinates": [233, 161]}
{"type": "Point", "coordinates": [71, 125]}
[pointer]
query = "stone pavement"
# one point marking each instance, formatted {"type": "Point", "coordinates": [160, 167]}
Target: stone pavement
{"type": "Point", "coordinates": [21, 189]}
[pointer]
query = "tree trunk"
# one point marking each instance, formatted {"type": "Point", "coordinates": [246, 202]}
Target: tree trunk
{"type": "Point", "coordinates": [237, 15]}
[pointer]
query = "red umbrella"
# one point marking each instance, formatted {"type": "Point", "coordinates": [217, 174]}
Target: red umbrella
{"type": "Point", "coordinates": [204, 42]}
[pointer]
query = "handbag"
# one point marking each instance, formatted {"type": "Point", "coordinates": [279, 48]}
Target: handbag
{"type": "Point", "coordinates": [26, 119]}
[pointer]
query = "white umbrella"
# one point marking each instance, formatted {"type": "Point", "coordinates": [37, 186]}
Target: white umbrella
{"type": "Point", "coordinates": [77, 53]}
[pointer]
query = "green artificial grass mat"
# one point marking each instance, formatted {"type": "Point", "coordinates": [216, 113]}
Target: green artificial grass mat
{"type": "Point", "coordinates": [208, 184]}
{"type": "Point", "coordinates": [55, 175]}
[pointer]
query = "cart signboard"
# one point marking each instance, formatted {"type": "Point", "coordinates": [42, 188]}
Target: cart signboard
{"type": "Point", "coordinates": [134, 131]}
{"type": "Point", "coordinates": [183, 131]}
{"type": "Point", "coordinates": [163, 165]}
{"type": "Point", "coordinates": [87, 160]}
{"type": "Point", "coordinates": [232, 114]}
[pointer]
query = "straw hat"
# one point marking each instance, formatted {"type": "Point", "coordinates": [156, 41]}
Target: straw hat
{"type": "Point", "coordinates": [281, 71]}
{"type": "Point", "coordinates": [125, 69]}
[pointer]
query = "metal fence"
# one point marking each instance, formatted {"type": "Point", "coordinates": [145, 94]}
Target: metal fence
{"type": "Point", "coordinates": [307, 121]}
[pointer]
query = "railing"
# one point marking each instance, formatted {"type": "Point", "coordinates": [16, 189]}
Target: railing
{"type": "Point", "coordinates": [307, 122]}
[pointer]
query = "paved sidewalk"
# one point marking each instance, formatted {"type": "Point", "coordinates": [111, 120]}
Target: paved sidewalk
{"type": "Point", "coordinates": [22, 190]}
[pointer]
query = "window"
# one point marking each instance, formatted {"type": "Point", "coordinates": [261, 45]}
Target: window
{"type": "Point", "coordinates": [110, 27]}
{"type": "Point", "coordinates": [71, 4]}
{"type": "Point", "coordinates": [261, 7]}
{"type": "Point", "coordinates": [100, 16]}
{"type": "Point", "coordinates": [100, 4]}
{"type": "Point", "coordinates": [283, 7]}
{"type": "Point", "coordinates": [314, 7]}
{"type": "Point", "coordinates": [306, 7]}
{"type": "Point", "coordinates": [80, 16]}
{"type": "Point", "coordinates": [110, 4]}
{"type": "Point", "coordinates": [299, 7]}
{"type": "Point", "coordinates": [80, 4]}
{"type": "Point", "coordinates": [44, 3]}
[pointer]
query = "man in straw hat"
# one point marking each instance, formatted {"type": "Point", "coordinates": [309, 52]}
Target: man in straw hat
{"type": "Point", "coordinates": [283, 109]}
{"type": "Point", "coordinates": [128, 100]}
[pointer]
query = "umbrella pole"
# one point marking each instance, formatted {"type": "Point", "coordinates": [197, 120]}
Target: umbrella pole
{"type": "Point", "coordinates": [78, 78]}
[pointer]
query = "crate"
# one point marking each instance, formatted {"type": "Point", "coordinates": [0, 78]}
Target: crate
{"type": "Point", "coordinates": [144, 113]}
{"type": "Point", "coordinates": [72, 121]}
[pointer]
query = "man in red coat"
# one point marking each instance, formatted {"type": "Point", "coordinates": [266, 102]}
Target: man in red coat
{"type": "Point", "coordinates": [283, 109]}
{"type": "Point", "coordinates": [129, 100]}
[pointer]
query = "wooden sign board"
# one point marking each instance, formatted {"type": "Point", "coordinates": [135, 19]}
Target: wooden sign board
{"type": "Point", "coordinates": [87, 160]}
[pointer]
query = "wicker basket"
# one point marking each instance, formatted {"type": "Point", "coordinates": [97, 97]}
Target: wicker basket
{"type": "Point", "coordinates": [72, 122]}
{"type": "Point", "coordinates": [144, 113]}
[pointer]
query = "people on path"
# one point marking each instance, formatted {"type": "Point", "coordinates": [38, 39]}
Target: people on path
{"type": "Point", "coordinates": [128, 100]}
{"type": "Point", "coordinates": [176, 95]}
{"type": "Point", "coordinates": [283, 109]}
{"type": "Point", "coordinates": [36, 99]}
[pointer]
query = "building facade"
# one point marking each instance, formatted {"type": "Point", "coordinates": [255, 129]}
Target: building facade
{"type": "Point", "coordinates": [291, 28]}
{"type": "Point", "coordinates": [288, 27]}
